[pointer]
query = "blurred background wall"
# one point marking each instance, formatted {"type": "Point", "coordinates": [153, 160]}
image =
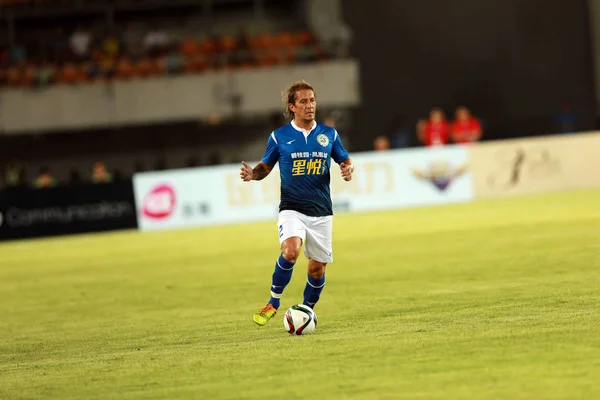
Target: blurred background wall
{"type": "Point", "coordinates": [160, 84]}
{"type": "Point", "coordinates": [515, 63]}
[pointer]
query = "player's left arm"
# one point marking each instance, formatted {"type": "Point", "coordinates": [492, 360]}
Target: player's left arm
{"type": "Point", "coordinates": [340, 155]}
{"type": "Point", "coordinates": [347, 167]}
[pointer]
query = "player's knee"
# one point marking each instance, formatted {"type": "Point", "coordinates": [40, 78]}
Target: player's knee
{"type": "Point", "coordinates": [316, 269]}
{"type": "Point", "coordinates": [290, 253]}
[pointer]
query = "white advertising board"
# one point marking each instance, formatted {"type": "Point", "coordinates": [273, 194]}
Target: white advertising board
{"type": "Point", "coordinates": [382, 180]}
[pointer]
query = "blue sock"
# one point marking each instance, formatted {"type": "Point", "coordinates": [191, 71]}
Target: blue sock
{"type": "Point", "coordinates": [312, 290]}
{"type": "Point", "coordinates": [281, 277]}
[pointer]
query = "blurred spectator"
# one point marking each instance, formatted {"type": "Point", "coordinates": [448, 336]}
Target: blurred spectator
{"type": "Point", "coordinates": [173, 62]}
{"type": "Point", "coordinates": [43, 50]}
{"type": "Point", "coordinates": [244, 56]}
{"type": "Point", "coordinates": [18, 54]}
{"type": "Point", "coordinates": [111, 46]}
{"type": "Point", "coordinates": [227, 47]}
{"type": "Point", "coordinates": [566, 119]}
{"type": "Point", "coordinates": [59, 45]}
{"type": "Point", "coordinates": [92, 68]}
{"type": "Point", "coordinates": [100, 174]}
{"type": "Point", "coordinates": [133, 40]}
{"type": "Point", "coordinates": [381, 143]}
{"type": "Point", "coordinates": [107, 65]}
{"type": "Point", "coordinates": [466, 128]}
{"type": "Point", "coordinates": [44, 179]}
{"type": "Point", "coordinates": [13, 173]}
{"type": "Point", "coordinates": [434, 131]}
{"type": "Point", "coordinates": [45, 74]}
{"type": "Point", "coordinates": [79, 58]}
{"type": "Point", "coordinates": [80, 42]}
{"type": "Point", "coordinates": [400, 133]}
{"type": "Point", "coordinates": [156, 42]}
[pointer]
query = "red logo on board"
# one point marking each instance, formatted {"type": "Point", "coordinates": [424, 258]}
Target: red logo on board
{"type": "Point", "coordinates": [160, 202]}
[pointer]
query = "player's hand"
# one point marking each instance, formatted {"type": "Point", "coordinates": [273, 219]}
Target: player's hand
{"type": "Point", "coordinates": [246, 172]}
{"type": "Point", "coordinates": [347, 170]}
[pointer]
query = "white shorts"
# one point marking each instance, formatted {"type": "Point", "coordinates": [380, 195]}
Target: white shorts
{"type": "Point", "coordinates": [315, 232]}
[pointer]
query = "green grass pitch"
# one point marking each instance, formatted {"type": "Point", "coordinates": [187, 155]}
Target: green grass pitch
{"type": "Point", "coordinates": [496, 299]}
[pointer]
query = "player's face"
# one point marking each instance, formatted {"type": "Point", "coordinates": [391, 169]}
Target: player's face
{"type": "Point", "coordinates": [305, 106]}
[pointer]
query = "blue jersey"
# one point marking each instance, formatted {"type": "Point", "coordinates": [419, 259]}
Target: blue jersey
{"type": "Point", "coordinates": [304, 163]}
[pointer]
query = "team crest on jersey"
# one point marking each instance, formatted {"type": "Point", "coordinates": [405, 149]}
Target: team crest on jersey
{"type": "Point", "coordinates": [323, 140]}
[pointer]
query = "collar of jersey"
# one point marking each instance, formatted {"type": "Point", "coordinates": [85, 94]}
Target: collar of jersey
{"type": "Point", "coordinates": [305, 131]}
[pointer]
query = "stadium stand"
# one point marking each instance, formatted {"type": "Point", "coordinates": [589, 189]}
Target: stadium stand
{"type": "Point", "coordinates": [80, 49]}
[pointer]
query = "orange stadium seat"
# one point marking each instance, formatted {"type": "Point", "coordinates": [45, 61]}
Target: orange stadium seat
{"type": "Point", "coordinates": [159, 66]}
{"type": "Point", "coordinates": [208, 46]}
{"type": "Point", "coordinates": [13, 77]}
{"type": "Point", "coordinates": [125, 69]}
{"type": "Point", "coordinates": [242, 51]}
{"type": "Point", "coordinates": [189, 47]}
{"type": "Point", "coordinates": [228, 43]}
{"type": "Point", "coordinates": [195, 63]}
{"type": "Point", "coordinates": [287, 46]}
{"type": "Point", "coordinates": [147, 67]}
{"type": "Point", "coordinates": [266, 51]}
{"type": "Point", "coordinates": [304, 38]}
{"type": "Point", "coordinates": [70, 74]}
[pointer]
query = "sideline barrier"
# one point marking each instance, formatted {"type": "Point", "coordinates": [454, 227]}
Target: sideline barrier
{"type": "Point", "coordinates": [536, 165]}
{"type": "Point", "coordinates": [384, 180]}
{"type": "Point", "coordinates": [28, 213]}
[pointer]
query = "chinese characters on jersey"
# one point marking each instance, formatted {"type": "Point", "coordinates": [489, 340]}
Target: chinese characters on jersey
{"type": "Point", "coordinates": [306, 163]}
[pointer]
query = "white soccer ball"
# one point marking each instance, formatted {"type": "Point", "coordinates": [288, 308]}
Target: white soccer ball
{"type": "Point", "coordinates": [300, 320]}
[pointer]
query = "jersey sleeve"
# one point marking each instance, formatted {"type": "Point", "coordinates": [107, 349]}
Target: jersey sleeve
{"type": "Point", "coordinates": [338, 152]}
{"type": "Point", "coordinates": [272, 152]}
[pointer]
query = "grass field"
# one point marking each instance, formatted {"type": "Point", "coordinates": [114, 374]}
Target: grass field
{"type": "Point", "coordinates": [492, 300]}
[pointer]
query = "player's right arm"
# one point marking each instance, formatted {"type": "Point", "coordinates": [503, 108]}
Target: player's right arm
{"type": "Point", "coordinates": [265, 166]}
{"type": "Point", "coordinates": [255, 174]}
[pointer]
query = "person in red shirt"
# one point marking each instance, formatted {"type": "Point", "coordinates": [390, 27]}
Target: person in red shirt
{"type": "Point", "coordinates": [435, 131]}
{"type": "Point", "coordinates": [466, 128]}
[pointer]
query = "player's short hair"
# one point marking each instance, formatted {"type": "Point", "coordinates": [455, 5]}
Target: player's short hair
{"type": "Point", "coordinates": [289, 96]}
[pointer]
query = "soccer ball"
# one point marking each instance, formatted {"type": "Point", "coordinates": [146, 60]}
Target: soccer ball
{"type": "Point", "coordinates": [300, 320]}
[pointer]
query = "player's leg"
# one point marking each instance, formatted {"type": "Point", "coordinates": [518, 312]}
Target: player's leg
{"type": "Point", "coordinates": [284, 267]}
{"type": "Point", "coordinates": [318, 250]}
{"type": "Point", "coordinates": [314, 283]}
{"type": "Point", "coordinates": [291, 236]}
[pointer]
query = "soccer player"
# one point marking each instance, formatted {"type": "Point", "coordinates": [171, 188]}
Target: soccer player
{"type": "Point", "coordinates": [304, 149]}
